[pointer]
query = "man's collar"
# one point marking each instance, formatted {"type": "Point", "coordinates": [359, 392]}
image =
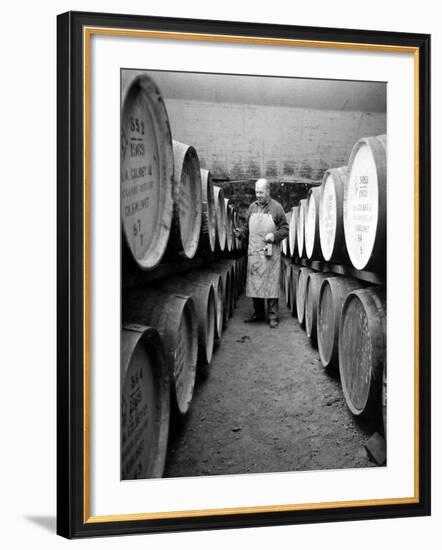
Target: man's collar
{"type": "Point", "coordinates": [265, 203]}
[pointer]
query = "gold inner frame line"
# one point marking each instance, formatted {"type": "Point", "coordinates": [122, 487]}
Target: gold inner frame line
{"type": "Point", "coordinates": [87, 33]}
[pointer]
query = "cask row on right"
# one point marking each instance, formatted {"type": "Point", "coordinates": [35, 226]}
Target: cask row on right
{"type": "Point", "coordinates": [362, 350]}
{"type": "Point", "coordinates": [314, 282]}
{"type": "Point", "coordinates": [365, 204]}
{"type": "Point", "coordinates": [332, 294]}
{"type": "Point", "coordinates": [300, 227]}
{"type": "Point", "coordinates": [331, 216]}
{"type": "Point", "coordinates": [292, 231]}
{"type": "Point", "coordinates": [311, 225]}
{"type": "Point", "coordinates": [301, 291]}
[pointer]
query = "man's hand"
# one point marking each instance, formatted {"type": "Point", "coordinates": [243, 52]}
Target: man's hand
{"type": "Point", "coordinates": [269, 238]}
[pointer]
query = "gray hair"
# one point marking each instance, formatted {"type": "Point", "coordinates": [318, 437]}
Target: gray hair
{"type": "Point", "coordinates": [265, 181]}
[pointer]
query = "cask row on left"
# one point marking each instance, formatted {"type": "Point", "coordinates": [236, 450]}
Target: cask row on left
{"type": "Point", "coordinates": [147, 169]}
{"type": "Point", "coordinates": [187, 209]}
{"type": "Point", "coordinates": [174, 316]}
{"type": "Point", "coordinates": [145, 403]}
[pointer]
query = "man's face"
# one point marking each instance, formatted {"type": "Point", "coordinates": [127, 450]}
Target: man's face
{"type": "Point", "coordinates": [262, 191]}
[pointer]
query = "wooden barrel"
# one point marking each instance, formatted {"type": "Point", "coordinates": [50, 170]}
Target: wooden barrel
{"type": "Point", "coordinates": [174, 317]}
{"type": "Point", "coordinates": [224, 273]}
{"type": "Point", "coordinates": [294, 280]}
{"type": "Point", "coordinates": [314, 282]}
{"type": "Point", "coordinates": [301, 289]}
{"type": "Point", "coordinates": [311, 229]}
{"type": "Point", "coordinates": [220, 216]}
{"type": "Point", "coordinates": [229, 264]}
{"type": "Point", "coordinates": [332, 294]}
{"type": "Point", "coordinates": [145, 403]}
{"type": "Point", "coordinates": [300, 228]}
{"type": "Point", "coordinates": [204, 301]}
{"type": "Point", "coordinates": [331, 216]}
{"type": "Point", "coordinates": [208, 223]}
{"type": "Point", "coordinates": [365, 204]}
{"type": "Point", "coordinates": [207, 276]}
{"type": "Point", "coordinates": [362, 350]}
{"type": "Point", "coordinates": [292, 231]}
{"type": "Point", "coordinates": [187, 206]}
{"type": "Point", "coordinates": [146, 178]}
{"type": "Point", "coordinates": [229, 224]}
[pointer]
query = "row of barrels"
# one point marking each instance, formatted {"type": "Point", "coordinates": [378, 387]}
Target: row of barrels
{"type": "Point", "coordinates": [169, 204]}
{"type": "Point", "coordinates": [344, 219]}
{"type": "Point", "coordinates": [346, 319]}
{"type": "Point", "coordinates": [169, 331]}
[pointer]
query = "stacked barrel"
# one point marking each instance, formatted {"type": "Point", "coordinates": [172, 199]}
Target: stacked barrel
{"type": "Point", "coordinates": [339, 284]}
{"type": "Point", "coordinates": [175, 312]}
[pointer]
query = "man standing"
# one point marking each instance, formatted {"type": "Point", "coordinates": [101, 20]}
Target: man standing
{"type": "Point", "coordinates": [266, 224]}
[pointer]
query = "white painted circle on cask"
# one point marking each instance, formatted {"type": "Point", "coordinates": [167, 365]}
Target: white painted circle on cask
{"type": "Point", "coordinates": [361, 207]}
{"type": "Point", "coordinates": [328, 218]}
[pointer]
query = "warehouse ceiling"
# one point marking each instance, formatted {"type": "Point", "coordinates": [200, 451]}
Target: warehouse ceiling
{"type": "Point", "coordinates": [340, 95]}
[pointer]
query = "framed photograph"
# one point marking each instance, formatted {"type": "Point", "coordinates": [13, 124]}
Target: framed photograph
{"type": "Point", "coordinates": [243, 247]}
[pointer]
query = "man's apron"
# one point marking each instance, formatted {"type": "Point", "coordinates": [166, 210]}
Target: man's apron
{"type": "Point", "coordinates": [263, 271]}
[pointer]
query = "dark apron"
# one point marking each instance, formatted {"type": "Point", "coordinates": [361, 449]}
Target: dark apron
{"type": "Point", "coordinates": [263, 271]}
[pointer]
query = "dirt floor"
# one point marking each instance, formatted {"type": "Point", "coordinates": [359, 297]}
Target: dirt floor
{"type": "Point", "coordinates": [267, 405]}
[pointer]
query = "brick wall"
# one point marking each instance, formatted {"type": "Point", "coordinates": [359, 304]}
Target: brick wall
{"type": "Point", "coordinates": [240, 141]}
{"type": "Point", "coordinates": [249, 141]}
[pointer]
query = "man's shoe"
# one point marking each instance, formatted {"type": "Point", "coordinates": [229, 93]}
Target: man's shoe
{"type": "Point", "coordinates": [254, 319]}
{"type": "Point", "coordinates": [274, 324]}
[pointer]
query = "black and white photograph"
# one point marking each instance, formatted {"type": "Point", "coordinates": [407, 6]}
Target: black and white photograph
{"type": "Point", "coordinates": [253, 274]}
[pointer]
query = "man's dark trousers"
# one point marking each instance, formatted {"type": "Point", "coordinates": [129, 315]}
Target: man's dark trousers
{"type": "Point", "coordinates": [272, 308]}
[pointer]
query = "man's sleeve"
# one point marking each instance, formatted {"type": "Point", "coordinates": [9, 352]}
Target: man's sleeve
{"type": "Point", "coordinates": [282, 226]}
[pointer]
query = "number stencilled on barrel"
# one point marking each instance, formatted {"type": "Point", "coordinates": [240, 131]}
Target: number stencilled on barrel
{"type": "Point", "coordinates": [137, 422]}
{"type": "Point", "coordinates": [361, 207]}
{"type": "Point", "coordinates": [328, 218]}
{"type": "Point", "coordinates": [139, 174]}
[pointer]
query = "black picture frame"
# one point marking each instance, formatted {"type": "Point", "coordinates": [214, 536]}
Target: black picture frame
{"type": "Point", "coordinates": [72, 515]}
